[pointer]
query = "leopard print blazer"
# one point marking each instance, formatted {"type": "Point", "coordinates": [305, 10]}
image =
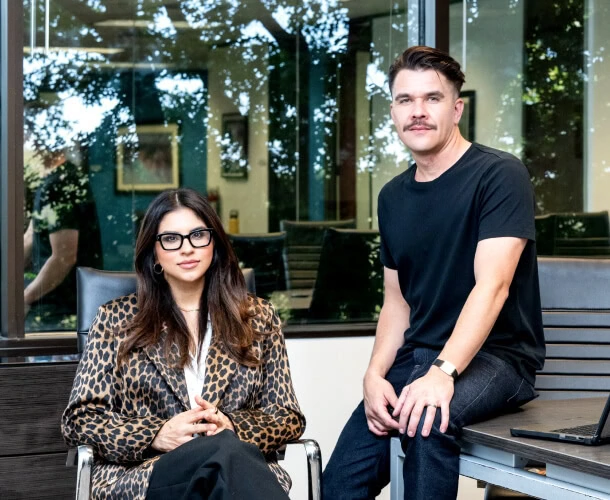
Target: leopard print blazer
{"type": "Point", "coordinates": [119, 410]}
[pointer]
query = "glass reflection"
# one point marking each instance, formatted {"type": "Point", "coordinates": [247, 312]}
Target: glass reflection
{"type": "Point", "coordinates": [275, 108]}
{"type": "Point", "coordinates": [540, 80]}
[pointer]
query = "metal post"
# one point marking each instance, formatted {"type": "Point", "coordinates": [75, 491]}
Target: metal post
{"type": "Point", "coordinates": [11, 169]}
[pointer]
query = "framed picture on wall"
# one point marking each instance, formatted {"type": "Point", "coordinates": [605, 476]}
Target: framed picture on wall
{"type": "Point", "coordinates": [234, 146]}
{"type": "Point", "coordinates": [147, 160]}
{"type": "Point", "coordinates": [467, 123]}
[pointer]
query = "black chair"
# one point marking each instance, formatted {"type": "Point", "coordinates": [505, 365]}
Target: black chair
{"type": "Point", "coordinates": [264, 254]}
{"type": "Point", "coordinates": [303, 247]}
{"type": "Point", "coordinates": [95, 288]}
{"type": "Point", "coordinates": [349, 284]}
{"type": "Point", "coordinates": [584, 234]}
{"type": "Point", "coordinates": [582, 225]}
{"type": "Point", "coordinates": [545, 234]}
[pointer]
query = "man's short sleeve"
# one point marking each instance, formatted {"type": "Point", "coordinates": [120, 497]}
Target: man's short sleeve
{"type": "Point", "coordinates": [507, 202]}
{"type": "Point", "coordinates": [60, 198]}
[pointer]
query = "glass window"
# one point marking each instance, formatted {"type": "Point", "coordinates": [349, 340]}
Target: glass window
{"type": "Point", "coordinates": [536, 86]}
{"type": "Point", "coordinates": [276, 110]}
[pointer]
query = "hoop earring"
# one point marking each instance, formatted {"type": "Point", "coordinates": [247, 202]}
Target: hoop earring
{"type": "Point", "coordinates": [157, 268]}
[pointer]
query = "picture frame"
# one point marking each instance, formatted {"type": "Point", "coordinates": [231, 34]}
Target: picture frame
{"type": "Point", "coordinates": [148, 160]}
{"type": "Point", "coordinates": [234, 146]}
{"type": "Point", "coordinates": [467, 123]}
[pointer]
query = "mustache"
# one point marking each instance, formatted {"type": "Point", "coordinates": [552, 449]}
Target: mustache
{"type": "Point", "coordinates": [419, 123]}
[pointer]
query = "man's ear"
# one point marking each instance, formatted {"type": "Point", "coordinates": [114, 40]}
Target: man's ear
{"type": "Point", "coordinates": [458, 109]}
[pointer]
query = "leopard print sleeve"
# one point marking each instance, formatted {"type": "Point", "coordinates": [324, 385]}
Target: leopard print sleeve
{"type": "Point", "coordinates": [93, 414]}
{"type": "Point", "coordinates": [274, 418]}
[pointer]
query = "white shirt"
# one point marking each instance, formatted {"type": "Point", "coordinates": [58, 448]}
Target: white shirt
{"type": "Point", "coordinates": [195, 372]}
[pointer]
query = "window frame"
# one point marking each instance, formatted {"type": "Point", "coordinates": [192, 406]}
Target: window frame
{"type": "Point", "coordinates": [11, 170]}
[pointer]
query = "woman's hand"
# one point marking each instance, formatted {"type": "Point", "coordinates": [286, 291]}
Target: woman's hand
{"type": "Point", "coordinates": [180, 429]}
{"type": "Point", "coordinates": [215, 417]}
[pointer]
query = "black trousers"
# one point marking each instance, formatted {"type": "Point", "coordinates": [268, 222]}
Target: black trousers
{"type": "Point", "coordinates": [219, 467]}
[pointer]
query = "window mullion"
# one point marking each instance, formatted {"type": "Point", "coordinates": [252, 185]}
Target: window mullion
{"type": "Point", "coordinates": [11, 169]}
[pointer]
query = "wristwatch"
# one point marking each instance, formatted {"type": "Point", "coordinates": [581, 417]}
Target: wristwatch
{"type": "Point", "coordinates": [447, 367]}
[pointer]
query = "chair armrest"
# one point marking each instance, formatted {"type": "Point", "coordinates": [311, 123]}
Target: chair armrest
{"type": "Point", "coordinates": [82, 458]}
{"type": "Point", "coordinates": [314, 465]}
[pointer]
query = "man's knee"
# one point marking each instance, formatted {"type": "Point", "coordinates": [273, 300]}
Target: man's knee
{"type": "Point", "coordinates": [435, 438]}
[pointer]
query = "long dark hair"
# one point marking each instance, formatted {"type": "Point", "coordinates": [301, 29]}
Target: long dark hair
{"type": "Point", "coordinates": [224, 295]}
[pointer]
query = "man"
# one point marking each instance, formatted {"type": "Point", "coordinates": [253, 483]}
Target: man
{"type": "Point", "coordinates": [459, 337]}
{"type": "Point", "coordinates": [62, 233]}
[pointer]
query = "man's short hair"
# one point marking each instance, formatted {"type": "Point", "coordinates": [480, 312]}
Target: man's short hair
{"type": "Point", "coordinates": [420, 58]}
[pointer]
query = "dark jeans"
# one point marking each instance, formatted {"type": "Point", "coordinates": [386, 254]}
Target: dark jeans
{"type": "Point", "coordinates": [360, 463]}
{"type": "Point", "coordinates": [219, 467]}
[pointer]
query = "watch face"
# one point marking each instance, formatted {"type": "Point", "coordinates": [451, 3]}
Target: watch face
{"type": "Point", "coordinates": [446, 367]}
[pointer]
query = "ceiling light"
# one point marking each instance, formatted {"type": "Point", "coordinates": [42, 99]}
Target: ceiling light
{"type": "Point", "coordinates": [98, 50]}
{"type": "Point", "coordinates": [144, 23]}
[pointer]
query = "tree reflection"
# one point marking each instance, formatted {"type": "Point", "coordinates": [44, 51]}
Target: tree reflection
{"type": "Point", "coordinates": [278, 63]}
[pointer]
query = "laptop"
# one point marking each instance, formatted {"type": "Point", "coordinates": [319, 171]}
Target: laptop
{"type": "Point", "coordinates": [589, 434]}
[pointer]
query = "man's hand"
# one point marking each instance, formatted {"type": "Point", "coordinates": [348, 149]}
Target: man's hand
{"type": "Point", "coordinates": [427, 394]}
{"type": "Point", "coordinates": [378, 394]}
{"type": "Point", "coordinates": [214, 416]}
{"type": "Point", "coordinates": [180, 429]}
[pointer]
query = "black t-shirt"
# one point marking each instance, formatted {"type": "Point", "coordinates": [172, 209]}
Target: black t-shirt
{"type": "Point", "coordinates": [429, 234]}
{"type": "Point", "coordinates": [64, 201]}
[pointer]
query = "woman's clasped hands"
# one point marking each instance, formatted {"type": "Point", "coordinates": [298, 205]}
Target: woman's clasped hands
{"type": "Point", "coordinates": [205, 420]}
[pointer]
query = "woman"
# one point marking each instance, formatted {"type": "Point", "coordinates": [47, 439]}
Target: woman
{"type": "Point", "coordinates": [173, 376]}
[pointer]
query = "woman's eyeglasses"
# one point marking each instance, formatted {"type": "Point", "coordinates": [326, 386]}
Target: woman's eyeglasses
{"type": "Point", "coordinates": [198, 238]}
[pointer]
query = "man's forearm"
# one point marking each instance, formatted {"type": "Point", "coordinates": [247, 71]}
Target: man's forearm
{"type": "Point", "coordinates": [495, 262]}
{"type": "Point", "coordinates": [28, 239]}
{"type": "Point", "coordinates": [474, 324]}
{"type": "Point", "coordinates": [53, 272]}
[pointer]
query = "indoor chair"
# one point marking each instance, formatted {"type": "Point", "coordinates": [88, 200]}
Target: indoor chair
{"type": "Point", "coordinates": [303, 247]}
{"type": "Point", "coordinates": [349, 283]}
{"type": "Point", "coordinates": [263, 252]}
{"type": "Point", "coordinates": [95, 288]}
{"type": "Point", "coordinates": [585, 234]}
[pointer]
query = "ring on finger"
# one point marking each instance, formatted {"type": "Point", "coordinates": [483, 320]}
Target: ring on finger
{"type": "Point", "coordinates": [433, 406]}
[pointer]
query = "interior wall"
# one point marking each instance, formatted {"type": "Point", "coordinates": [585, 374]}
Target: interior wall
{"type": "Point", "coordinates": [597, 106]}
{"type": "Point", "coordinates": [493, 69]}
{"type": "Point", "coordinates": [249, 196]}
{"type": "Point", "coordinates": [327, 376]}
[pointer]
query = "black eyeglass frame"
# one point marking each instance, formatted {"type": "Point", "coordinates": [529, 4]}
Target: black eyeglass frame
{"type": "Point", "coordinates": [187, 236]}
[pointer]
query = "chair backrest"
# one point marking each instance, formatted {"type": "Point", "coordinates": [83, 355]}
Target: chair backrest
{"type": "Point", "coordinates": [575, 297]}
{"type": "Point", "coordinates": [349, 284]}
{"type": "Point", "coordinates": [573, 234]}
{"type": "Point", "coordinates": [95, 287]}
{"type": "Point", "coordinates": [264, 254]}
{"type": "Point", "coordinates": [545, 234]}
{"type": "Point", "coordinates": [583, 225]}
{"type": "Point", "coordinates": [302, 249]}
